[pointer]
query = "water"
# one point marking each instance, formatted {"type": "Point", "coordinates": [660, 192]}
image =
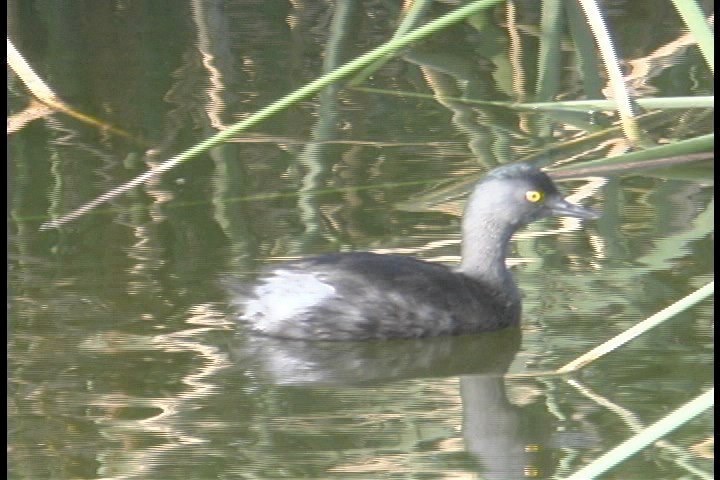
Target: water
{"type": "Point", "coordinates": [125, 361]}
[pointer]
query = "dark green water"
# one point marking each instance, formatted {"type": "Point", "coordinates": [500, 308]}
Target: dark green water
{"type": "Point", "coordinates": [124, 358]}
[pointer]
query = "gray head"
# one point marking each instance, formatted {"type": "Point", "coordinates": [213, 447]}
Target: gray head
{"type": "Point", "coordinates": [521, 193]}
{"type": "Point", "coordinates": [505, 200]}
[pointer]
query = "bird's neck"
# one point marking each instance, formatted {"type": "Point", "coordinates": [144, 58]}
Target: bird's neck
{"type": "Point", "coordinates": [485, 247]}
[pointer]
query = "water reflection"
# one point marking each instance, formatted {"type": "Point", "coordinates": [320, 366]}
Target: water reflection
{"type": "Point", "coordinates": [502, 440]}
{"type": "Point", "coordinates": [297, 362]}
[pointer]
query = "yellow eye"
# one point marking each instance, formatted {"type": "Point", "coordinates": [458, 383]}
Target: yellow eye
{"type": "Point", "coordinates": [534, 196]}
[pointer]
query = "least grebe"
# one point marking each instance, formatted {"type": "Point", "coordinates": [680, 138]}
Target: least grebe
{"type": "Point", "coordinates": [361, 296]}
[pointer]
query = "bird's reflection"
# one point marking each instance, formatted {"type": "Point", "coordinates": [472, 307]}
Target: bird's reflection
{"type": "Point", "coordinates": [298, 362]}
{"type": "Point", "coordinates": [497, 434]}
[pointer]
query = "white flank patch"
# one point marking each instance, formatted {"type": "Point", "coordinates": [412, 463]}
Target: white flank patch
{"type": "Point", "coordinates": [282, 296]}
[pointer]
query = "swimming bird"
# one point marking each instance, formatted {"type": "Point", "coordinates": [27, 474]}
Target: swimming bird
{"type": "Point", "coordinates": [363, 296]}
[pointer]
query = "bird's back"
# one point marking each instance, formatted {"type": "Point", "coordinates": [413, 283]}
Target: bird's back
{"type": "Point", "coordinates": [359, 296]}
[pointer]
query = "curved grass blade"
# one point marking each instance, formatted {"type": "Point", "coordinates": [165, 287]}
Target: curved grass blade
{"type": "Point", "coordinates": [283, 103]}
{"type": "Point", "coordinates": [629, 334]}
{"type": "Point", "coordinates": [607, 51]}
{"type": "Point", "coordinates": [652, 433]}
{"type": "Point", "coordinates": [700, 29]}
